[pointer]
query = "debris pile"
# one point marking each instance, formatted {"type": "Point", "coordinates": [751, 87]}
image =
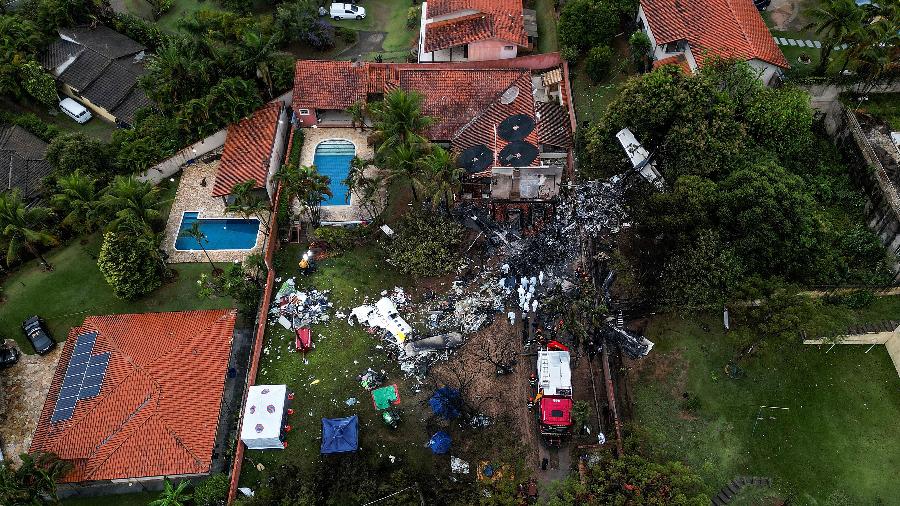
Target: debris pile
{"type": "Point", "coordinates": [294, 309]}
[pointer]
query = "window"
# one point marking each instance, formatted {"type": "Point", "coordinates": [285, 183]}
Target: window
{"type": "Point", "coordinates": [508, 48]}
{"type": "Point", "coordinates": [676, 47]}
{"type": "Point", "coordinates": [555, 413]}
{"type": "Point", "coordinates": [303, 112]}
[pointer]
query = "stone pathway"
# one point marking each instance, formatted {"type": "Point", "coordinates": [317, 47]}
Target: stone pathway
{"type": "Point", "coordinates": [731, 489]}
{"type": "Point", "coordinates": [782, 41]}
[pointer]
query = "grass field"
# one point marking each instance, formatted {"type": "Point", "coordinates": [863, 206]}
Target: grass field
{"type": "Point", "coordinates": [884, 106]}
{"type": "Point", "coordinates": [387, 16]}
{"type": "Point", "coordinates": [182, 9]}
{"type": "Point", "coordinates": [836, 439]}
{"type": "Point", "coordinates": [76, 289]}
{"type": "Point", "coordinates": [342, 352]}
{"type": "Point", "coordinates": [548, 38]}
{"type": "Point", "coordinates": [96, 127]}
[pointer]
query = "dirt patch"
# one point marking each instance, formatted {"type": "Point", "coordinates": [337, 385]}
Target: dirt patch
{"type": "Point", "coordinates": [23, 390]}
{"type": "Point", "coordinates": [789, 15]}
{"type": "Point", "coordinates": [503, 397]}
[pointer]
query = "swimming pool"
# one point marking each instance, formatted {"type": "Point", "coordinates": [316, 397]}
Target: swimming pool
{"type": "Point", "coordinates": [332, 159]}
{"type": "Point", "coordinates": [225, 233]}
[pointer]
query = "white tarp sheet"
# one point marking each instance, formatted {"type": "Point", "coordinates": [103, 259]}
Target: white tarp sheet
{"type": "Point", "coordinates": [263, 416]}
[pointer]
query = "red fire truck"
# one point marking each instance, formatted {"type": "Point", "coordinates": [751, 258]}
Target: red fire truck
{"type": "Point", "coordinates": [554, 393]}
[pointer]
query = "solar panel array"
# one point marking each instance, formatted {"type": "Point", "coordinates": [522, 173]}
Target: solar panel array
{"type": "Point", "coordinates": [84, 376]}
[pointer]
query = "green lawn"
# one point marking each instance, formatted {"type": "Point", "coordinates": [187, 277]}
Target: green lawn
{"type": "Point", "coordinates": [548, 40]}
{"type": "Point", "coordinates": [96, 127]}
{"type": "Point", "coordinates": [140, 8]}
{"type": "Point", "coordinates": [387, 16]}
{"type": "Point", "coordinates": [76, 289]}
{"type": "Point", "coordinates": [884, 106]}
{"type": "Point", "coordinates": [342, 352]}
{"type": "Point", "coordinates": [837, 437]}
{"type": "Point", "coordinates": [184, 8]}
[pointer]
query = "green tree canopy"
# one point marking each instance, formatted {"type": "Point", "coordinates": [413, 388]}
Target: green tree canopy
{"type": "Point", "coordinates": [76, 152]}
{"type": "Point", "coordinates": [130, 265]}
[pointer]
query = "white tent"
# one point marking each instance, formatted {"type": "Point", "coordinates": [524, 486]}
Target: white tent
{"type": "Point", "coordinates": [263, 417]}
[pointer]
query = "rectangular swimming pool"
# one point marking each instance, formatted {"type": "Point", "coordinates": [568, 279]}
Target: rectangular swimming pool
{"type": "Point", "coordinates": [221, 234]}
{"type": "Point", "coordinates": [332, 158]}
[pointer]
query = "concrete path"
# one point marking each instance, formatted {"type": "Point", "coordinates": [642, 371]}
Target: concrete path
{"type": "Point", "coordinates": [782, 41]}
{"type": "Point", "coordinates": [366, 42]}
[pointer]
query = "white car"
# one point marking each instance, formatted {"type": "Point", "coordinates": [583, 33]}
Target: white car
{"type": "Point", "coordinates": [347, 11]}
{"type": "Point", "coordinates": [75, 110]}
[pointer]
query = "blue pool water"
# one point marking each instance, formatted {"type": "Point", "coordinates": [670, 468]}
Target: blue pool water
{"type": "Point", "coordinates": [332, 159]}
{"type": "Point", "coordinates": [220, 233]}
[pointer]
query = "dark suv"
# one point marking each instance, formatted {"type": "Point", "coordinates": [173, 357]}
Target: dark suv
{"type": "Point", "coordinates": [9, 355]}
{"type": "Point", "coordinates": [37, 333]}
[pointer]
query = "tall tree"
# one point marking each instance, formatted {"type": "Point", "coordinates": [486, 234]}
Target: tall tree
{"type": "Point", "coordinates": [402, 164]}
{"type": "Point", "coordinates": [79, 199]}
{"type": "Point", "coordinates": [132, 202]}
{"type": "Point", "coordinates": [196, 234]}
{"type": "Point", "coordinates": [20, 39]}
{"type": "Point", "coordinates": [399, 120]}
{"type": "Point", "coordinates": [364, 187]}
{"type": "Point", "coordinates": [247, 203]}
{"type": "Point", "coordinates": [33, 481]}
{"type": "Point", "coordinates": [834, 21]}
{"type": "Point", "coordinates": [440, 176]}
{"type": "Point", "coordinates": [306, 185]}
{"type": "Point", "coordinates": [23, 227]}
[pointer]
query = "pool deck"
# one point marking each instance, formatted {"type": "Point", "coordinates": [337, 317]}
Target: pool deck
{"type": "Point", "coordinates": [195, 195]}
{"type": "Point", "coordinates": [312, 137]}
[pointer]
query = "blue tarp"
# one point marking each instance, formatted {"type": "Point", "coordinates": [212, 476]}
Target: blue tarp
{"type": "Point", "coordinates": [445, 403]}
{"type": "Point", "coordinates": [340, 434]}
{"type": "Point", "coordinates": [440, 442]}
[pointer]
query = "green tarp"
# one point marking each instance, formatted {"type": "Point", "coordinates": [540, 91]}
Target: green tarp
{"type": "Point", "coordinates": [385, 397]}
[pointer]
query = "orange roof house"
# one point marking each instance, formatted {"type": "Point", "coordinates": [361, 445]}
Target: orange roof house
{"type": "Point", "coordinates": [254, 148]}
{"type": "Point", "coordinates": [471, 30]}
{"type": "Point", "coordinates": [138, 395]}
{"type": "Point", "coordinates": [686, 33]}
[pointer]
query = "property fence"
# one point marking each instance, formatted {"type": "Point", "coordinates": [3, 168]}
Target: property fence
{"type": "Point", "coordinates": [167, 168]}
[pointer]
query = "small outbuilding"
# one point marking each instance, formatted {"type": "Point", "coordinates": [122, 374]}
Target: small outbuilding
{"type": "Point", "coordinates": [264, 417]}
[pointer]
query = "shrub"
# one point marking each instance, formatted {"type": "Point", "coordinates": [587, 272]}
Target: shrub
{"type": "Point", "coordinates": [339, 239]}
{"type": "Point", "coordinates": [640, 49]}
{"type": "Point", "coordinates": [320, 35]}
{"type": "Point", "coordinates": [75, 151]}
{"type": "Point", "coordinates": [425, 244]}
{"type": "Point", "coordinates": [413, 14]}
{"type": "Point", "coordinates": [29, 121]}
{"type": "Point", "coordinates": [598, 63]}
{"type": "Point", "coordinates": [345, 34]}
{"type": "Point", "coordinates": [569, 53]}
{"type": "Point", "coordinates": [211, 491]}
{"type": "Point", "coordinates": [148, 34]}
{"type": "Point", "coordinates": [131, 266]}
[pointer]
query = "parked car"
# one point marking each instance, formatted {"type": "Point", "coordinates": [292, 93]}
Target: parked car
{"type": "Point", "coordinates": [75, 110]}
{"type": "Point", "coordinates": [37, 333]}
{"type": "Point", "coordinates": [347, 11]}
{"type": "Point", "coordinates": [9, 355]}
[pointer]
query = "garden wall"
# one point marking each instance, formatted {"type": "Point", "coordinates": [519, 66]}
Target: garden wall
{"type": "Point", "coordinates": [167, 168]}
{"type": "Point", "coordinates": [882, 206]}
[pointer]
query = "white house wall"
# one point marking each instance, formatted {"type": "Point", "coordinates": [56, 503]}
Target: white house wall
{"type": "Point", "coordinates": [278, 149]}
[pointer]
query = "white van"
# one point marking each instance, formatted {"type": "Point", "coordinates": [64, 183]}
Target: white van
{"type": "Point", "coordinates": [75, 110]}
{"type": "Point", "coordinates": [347, 11]}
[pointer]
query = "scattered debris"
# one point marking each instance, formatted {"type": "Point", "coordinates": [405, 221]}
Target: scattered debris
{"type": "Point", "coordinates": [458, 465]}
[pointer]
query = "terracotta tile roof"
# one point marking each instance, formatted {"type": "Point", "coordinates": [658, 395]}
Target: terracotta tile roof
{"type": "Point", "coordinates": [462, 97]}
{"type": "Point", "coordinates": [458, 31]}
{"type": "Point", "coordinates": [337, 85]}
{"type": "Point", "coordinates": [553, 124]}
{"type": "Point", "coordinates": [500, 19]}
{"type": "Point", "coordinates": [726, 28]}
{"type": "Point", "coordinates": [678, 60]}
{"type": "Point", "coordinates": [248, 146]}
{"type": "Point", "coordinates": [158, 407]}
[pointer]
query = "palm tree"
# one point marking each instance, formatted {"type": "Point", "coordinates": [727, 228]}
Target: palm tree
{"type": "Point", "coordinates": [357, 113]}
{"type": "Point", "coordinates": [247, 204]}
{"type": "Point", "coordinates": [833, 21]}
{"type": "Point", "coordinates": [306, 185]}
{"type": "Point", "coordinates": [196, 234]}
{"type": "Point", "coordinates": [130, 200]}
{"type": "Point", "coordinates": [402, 164]}
{"type": "Point", "coordinates": [256, 56]}
{"type": "Point", "coordinates": [440, 176]}
{"type": "Point", "coordinates": [364, 187]}
{"type": "Point", "coordinates": [173, 496]}
{"type": "Point", "coordinates": [23, 227]}
{"type": "Point", "coordinates": [399, 120]}
{"type": "Point", "coordinates": [79, 199]}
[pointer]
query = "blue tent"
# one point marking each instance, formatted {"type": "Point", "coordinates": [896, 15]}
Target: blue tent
{"type": "Point", "coordinates": [340, 434]}
{"type": "Point", "coordinates": [445, 403]}
{"type": "Point", "coordinates": [440, 442]}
